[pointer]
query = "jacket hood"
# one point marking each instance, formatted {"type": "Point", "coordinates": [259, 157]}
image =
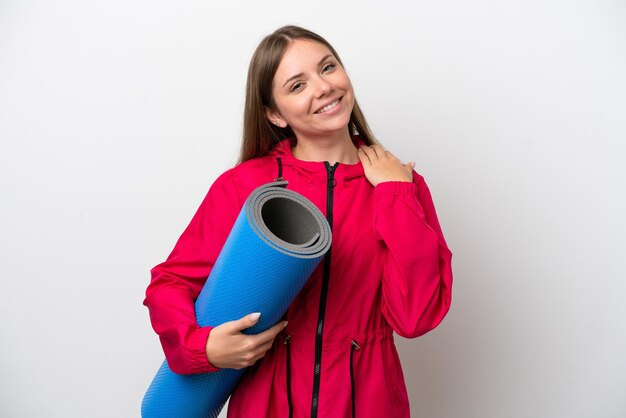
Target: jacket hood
{"type": "Point", "coordinates": [315, 170]}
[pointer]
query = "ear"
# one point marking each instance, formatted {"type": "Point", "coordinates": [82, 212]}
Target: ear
{"type": "Point", "coordinates": [275, 118]}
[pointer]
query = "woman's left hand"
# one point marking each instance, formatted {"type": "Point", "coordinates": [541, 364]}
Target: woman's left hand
{"type": "Point", "coordinates": [380, 165]}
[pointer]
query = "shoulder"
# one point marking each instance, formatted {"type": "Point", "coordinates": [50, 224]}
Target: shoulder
{"type": "Point", "coordinates": [250, 168]}
{"type": "Point", "coordinates": [260, 169]}
{"type": "Point", "coordinates": [241, 179]}
{"type": "Point", "coordinates": [418, 179]}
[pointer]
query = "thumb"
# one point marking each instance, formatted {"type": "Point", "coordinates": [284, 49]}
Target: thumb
{"type": "Point", "coordinates": [247, 321]}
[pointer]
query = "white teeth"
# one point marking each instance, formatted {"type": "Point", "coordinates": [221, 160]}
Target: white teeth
{"type": "Point", "coordinates": [327, 108]}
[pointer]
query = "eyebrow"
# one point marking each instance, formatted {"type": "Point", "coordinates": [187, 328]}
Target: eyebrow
{"type": "Point", "coordinates": [301, 74]}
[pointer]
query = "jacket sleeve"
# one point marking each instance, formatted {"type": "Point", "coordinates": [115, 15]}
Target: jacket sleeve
{"type": "Point", "coordinates": [177, 282]}
{"type": "Point", "coordinates": [417, 273]}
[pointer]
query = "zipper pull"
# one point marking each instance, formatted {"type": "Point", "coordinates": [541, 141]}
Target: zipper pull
{"type": "Point", "coordinates": [331, 182]}
{"type": "Point", "coordinates": [287, 338]}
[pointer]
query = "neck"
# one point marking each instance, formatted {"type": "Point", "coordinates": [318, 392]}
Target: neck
{"type": "Point", "coordinates": [338, 148]}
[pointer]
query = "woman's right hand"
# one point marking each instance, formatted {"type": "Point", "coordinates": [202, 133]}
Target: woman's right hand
{"type": "Point", "coordinates": [228, 348]}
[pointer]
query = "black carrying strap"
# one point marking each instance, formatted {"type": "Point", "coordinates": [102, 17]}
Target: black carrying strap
{"type": "Point", "coordinates": [280, 170]}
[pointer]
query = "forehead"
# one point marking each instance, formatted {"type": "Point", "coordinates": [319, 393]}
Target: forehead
{"type": "Point", "coordinates": [300, 56]}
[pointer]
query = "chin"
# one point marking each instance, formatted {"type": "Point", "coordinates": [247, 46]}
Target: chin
{"type": "Point", "coordinates": [337, 126]}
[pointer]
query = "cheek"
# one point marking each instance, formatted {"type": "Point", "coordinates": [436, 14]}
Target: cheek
{"type": "Point", "coordinates": [343, 79]}
{"type": "Point", "coordinates": [289, 108]}
{"type": "Point", "coordinates": [349, 86]}
{"type": "Point", "coordinates": [298, 107]}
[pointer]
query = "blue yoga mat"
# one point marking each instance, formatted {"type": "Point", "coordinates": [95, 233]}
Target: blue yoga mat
{"type": "Point", "coordinates": [276, 243]}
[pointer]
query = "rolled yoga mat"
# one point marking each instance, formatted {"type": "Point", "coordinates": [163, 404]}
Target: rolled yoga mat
{"type": "Point", "coordinates": [276, 243]}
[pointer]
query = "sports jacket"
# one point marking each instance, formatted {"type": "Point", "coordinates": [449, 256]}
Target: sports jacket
{"type": "Point", "coordinates": [389, 269]}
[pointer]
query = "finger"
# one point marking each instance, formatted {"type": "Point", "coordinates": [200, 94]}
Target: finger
{"type": "Point", "coordinates": [365, 159]}
{"type": "Point", "coordinates": [370, 152]}
{"type": "Point", "coordinates": [276, 329]}
{"type": "Point", "coordinates": [245, 322]}
{"type": "Point", "coordinates": [379, 151]}
{"type": "Point", "coordinates": [260, 351]}
{"type": "Point", "coordinates": [269, 334]}
{"type": "Point", "coordinates": [263, 349]}
{"type": "Point", "coordinates": [259, 354]}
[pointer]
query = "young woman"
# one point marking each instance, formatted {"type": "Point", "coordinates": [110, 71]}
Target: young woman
{"type": "Point", "coordinates": [388, 268]}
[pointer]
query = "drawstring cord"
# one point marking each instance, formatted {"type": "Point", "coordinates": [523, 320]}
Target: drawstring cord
{"type": "Point", "coordinates": [286, 342]}
{"type": "Point", "coordinates": [354, 346]}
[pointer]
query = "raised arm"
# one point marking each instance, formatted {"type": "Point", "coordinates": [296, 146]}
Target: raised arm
{"type": "Point", "coordinates": [417, 274]}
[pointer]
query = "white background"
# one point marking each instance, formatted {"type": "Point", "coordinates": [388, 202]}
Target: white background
{"type": "Point", "coordinates": [116, 116]}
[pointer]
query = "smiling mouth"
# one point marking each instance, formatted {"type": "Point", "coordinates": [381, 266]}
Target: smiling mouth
{"type": "Point", "coordinates": [329, 107]}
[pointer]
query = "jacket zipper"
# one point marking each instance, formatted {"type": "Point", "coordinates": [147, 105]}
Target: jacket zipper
{"type": "Point", "coordinates": [353, 346]}
{"type": "Point", "coordinates": [330, 184]}
{"type": "Point", "coordinates": [289, 401]}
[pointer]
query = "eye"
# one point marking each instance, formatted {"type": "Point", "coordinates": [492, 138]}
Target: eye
{"type": "Point", "coordinates": [296, 87]}
{"type": "Point", "coordinates": [328, 67]}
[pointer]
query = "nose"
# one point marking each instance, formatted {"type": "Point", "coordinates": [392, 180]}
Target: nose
{"type": "Point", "coordinates": [323, 87]}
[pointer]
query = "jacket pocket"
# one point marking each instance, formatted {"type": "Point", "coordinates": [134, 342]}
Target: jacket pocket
{"type": "Point", "coordinates": [353, 346]}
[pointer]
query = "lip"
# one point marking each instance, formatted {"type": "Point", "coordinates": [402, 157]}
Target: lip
{"type": "Point", "coordinates": [331, 111]}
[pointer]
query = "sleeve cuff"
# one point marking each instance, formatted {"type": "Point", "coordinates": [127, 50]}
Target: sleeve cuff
{"type": "Point", "coordinates": [199, 350]}
{"type": "Point", "coordinates": [390, 194]}
{"type": "Point", "coordinates": [396, 187]}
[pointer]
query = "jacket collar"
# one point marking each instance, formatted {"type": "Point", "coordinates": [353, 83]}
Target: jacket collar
{"type": "Point", "coordinates": [315, 170]}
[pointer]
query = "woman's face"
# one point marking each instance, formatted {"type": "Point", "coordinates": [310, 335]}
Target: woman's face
{"type": "Point", "coordinates": [312, 92]}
